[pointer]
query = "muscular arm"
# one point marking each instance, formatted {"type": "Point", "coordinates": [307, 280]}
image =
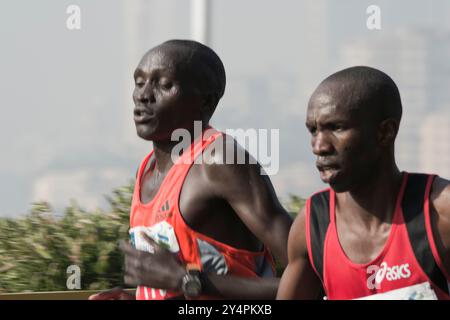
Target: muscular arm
{"type": "Point", "coordinates": [299, 280]}
{"type": "Point", "coordinates": [253, 198]}
{"type": "Point", "coordinates": [440, 218]}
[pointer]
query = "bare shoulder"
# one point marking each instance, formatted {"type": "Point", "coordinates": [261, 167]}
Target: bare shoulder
{"type": "Point", "coordinates": [440, 218]}
{"type": "Point", "coordinates": [440, 198]}
{"type": "Point", "coordinates": [297, 246]}
{"type": "Point", "coordinates": [227, 165]}
{"type": "Point", "coordinates": [231, 175]}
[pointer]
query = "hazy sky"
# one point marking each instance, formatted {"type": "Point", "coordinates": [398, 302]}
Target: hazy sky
{"type": "Point", "coordinates": [66, 109]}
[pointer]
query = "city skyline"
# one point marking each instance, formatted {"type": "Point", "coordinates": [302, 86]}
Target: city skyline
{"type": "Point", "coordinates": [71, 135]}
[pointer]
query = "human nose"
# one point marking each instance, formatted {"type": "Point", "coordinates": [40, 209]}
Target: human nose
{"type": "Point", "coordinates": [321, 144]}
{"type": "Point", "coordinates": [144, 94]}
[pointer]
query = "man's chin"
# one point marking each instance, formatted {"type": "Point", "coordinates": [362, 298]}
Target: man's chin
{"type": "Point", "coordinates": [342, 184]}
{"type": "Point", "coordinates": [154, 136]}
{"type": "Point", "coordinates": [328, 176]}
{"type": "Point", "coordinates": [339, 187]}
{"type": "Point", "coordinates": [335, 180]}
{"type": "Point", "coordinates": [144, 136]}
{"type": "Point", "coordinates": [146, 131]}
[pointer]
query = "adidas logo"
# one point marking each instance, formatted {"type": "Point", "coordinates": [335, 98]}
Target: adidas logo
{"type": "Point", "coordinates": [165, 207]}
{"type": "Point", "coordinates": [164, 212]}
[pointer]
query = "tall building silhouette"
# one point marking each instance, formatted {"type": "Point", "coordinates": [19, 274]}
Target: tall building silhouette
{"type": "Point", "coordinates": [417, 60]}
{"type": "Point", "coordinates": [435, 143]}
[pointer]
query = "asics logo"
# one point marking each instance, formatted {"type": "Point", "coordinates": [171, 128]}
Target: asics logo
{"type": "Point", "coordinates": [383, 272]}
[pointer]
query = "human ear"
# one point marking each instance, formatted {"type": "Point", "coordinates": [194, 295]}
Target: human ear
{"type": "Point", "coordinates": [209, 102]}
{"type": "Point", "coordinates": [387, 132]}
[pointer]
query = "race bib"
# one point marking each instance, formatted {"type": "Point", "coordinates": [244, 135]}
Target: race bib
{"type": "Point", "coordinates": [163, 234]}
{"type": "Point", "coordinates": [422, 291]}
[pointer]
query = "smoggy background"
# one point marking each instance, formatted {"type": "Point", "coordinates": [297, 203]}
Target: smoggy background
{"type": "Point", "coordinates": [66, 128]}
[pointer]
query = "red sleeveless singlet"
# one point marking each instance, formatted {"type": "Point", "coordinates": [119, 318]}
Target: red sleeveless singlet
{"type": "Point", "coordinates": [162, 220]}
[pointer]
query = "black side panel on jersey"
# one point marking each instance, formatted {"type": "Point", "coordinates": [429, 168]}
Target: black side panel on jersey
{"type": "Point", "coordinates": [413, 213]}
{"type": "Point", "coordinates": [319, 221]}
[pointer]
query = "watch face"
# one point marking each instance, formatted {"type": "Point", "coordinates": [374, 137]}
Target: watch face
{"type": "Point", "coordinates": [191, 286]}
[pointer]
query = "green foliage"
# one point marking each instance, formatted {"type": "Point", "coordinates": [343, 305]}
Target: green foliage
{"type": "Point", "coordinates": [294, 204]}
{"type": "Point", "coordinates": [36, 250]}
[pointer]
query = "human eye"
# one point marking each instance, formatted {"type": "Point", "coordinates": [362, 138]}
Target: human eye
{"type": "Point", "coordinates": [311, 129]}
{"type": "Point", "coordinates": [139, 82]}
{"type": "Point", "coordinates": [166, 84]}
{"type": "Point", "coordinates": [341, 127]}
{"type": "Point", "coordinates": [338, 127]}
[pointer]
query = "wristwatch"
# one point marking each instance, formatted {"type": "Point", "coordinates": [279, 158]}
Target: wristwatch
{"type": "Point", "coordinates": [191, 284]}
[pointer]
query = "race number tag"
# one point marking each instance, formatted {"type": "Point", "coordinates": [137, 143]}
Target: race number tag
{"type": "Point", "coordinates": [163, 234]}
{"type": "Point", "coordinates": [422, 291]}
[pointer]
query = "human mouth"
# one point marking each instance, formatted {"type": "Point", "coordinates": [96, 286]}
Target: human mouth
{"type": "Point", "coordinates": [142, 115]}
{"type": "Point", "coordinates": [327, 171]}
{"type": "Point", "coordinates": [328, 175]}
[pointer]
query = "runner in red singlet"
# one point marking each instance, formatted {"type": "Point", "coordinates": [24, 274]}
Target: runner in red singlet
{"type": "Point", "coordinates": [198, 230]}
{"type": "Point", "coordinates": [376, 232]}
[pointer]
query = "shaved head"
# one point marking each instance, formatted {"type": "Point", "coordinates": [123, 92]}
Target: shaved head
{"type": "Point", "coordinates": [363, 89]}
{"type": "Point", "coordinates": [353, 117]}
{"type": "Point", "coordinates": [199, 63]}
{"type": "Point", "coordinates": [176, 83]}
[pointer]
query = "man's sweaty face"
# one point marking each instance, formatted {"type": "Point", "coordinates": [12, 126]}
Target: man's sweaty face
{"type": "Point", "coordinates": [163, 99]}
{"type": "Point", "coordinates": [338, 142]}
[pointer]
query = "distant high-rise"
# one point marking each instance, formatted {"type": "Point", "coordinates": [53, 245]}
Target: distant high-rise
{"type": "Point", "coordinates": [435, 143]}
{"type": "Point", "coordinates": [315, 37]}
{"type": "Point", "coordinates": [422, 72]}
{"type": "Point", "coordinates": [147, 24]}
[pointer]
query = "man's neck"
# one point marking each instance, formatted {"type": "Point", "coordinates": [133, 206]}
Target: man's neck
{"type": "Point", "coordinates": [163, 150]}
{"type": "Point", "coordinates": [373, 202]}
